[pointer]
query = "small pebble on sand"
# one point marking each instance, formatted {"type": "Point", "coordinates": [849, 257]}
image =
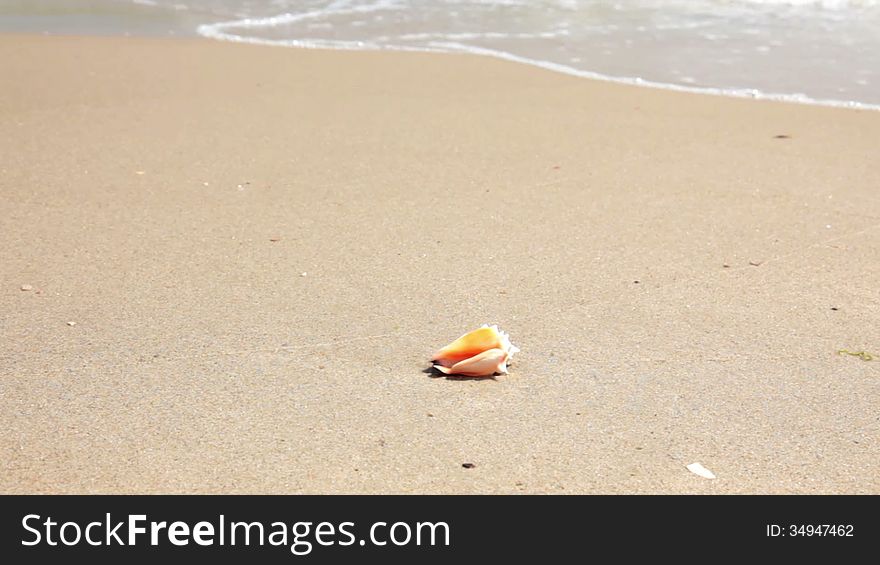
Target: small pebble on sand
{"type": "Point", "coordinates": [71, 324]}
{"type": "Point", "coordinates": [303, 274]}
{"type": "Point", "coordinates": [26, 287]}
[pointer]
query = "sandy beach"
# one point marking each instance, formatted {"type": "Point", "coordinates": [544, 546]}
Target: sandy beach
{"type": "Point", "coordinates": [225, 268]}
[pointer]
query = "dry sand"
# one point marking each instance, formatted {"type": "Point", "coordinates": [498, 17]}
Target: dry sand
{"type": "Point", "coordinates": [168, 195]}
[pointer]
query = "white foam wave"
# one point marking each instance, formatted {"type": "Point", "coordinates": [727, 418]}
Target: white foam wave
{"type": "Point", "coordinates": [453, 43]}
{"type": "Point", "coordinates": [826, 4]}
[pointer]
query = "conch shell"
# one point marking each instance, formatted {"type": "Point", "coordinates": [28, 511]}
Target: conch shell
{"type": "Point", "coordinates": [480, 353]}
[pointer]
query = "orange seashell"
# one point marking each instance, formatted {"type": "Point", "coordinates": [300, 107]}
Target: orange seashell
{"type": "Point", "coordinates": [480, 353]}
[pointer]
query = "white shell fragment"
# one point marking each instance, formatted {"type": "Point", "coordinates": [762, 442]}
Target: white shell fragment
{"type": "Point", "coordinates": [698, 469]}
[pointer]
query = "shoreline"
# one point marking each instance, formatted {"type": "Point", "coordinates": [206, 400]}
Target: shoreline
{"type": "Point", "coordinates": [214, 31]}
{"type": "Point", "coordinates": [226, 267]}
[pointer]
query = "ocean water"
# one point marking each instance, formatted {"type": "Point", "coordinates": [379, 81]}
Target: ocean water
{"type": "Point", "coordinates": [813, 51]}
